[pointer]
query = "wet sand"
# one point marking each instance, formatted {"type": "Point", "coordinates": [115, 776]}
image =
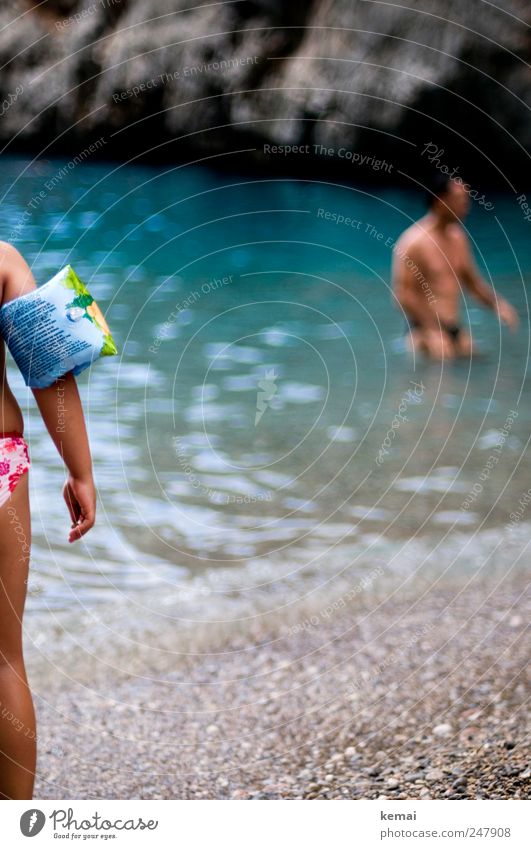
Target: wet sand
{"type": "Point", "coordinates": [405, 690]}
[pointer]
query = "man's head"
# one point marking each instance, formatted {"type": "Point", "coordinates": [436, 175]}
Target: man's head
{"type": "Point", "coordinates": [448, 197]}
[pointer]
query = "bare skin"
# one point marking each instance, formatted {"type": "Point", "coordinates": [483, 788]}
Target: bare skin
{"type": "Point", "coordinates": [17, 719]}
{"type": "Point", "coordinates": [432, 261]}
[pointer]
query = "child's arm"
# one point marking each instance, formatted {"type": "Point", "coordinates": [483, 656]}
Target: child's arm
{"type": "Point", "coordinates": [16, 278]}
{"type": "Point", "coordinates": [60, 408]}
{"type": "Point", "coordinates": [62, 413]}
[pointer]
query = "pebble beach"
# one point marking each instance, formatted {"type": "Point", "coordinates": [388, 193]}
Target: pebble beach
{"type": "Point", "coordinates": [413, 691]}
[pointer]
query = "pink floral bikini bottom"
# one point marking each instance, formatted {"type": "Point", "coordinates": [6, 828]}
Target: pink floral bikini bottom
{"type": "Point", "coordinates": [14, 462]}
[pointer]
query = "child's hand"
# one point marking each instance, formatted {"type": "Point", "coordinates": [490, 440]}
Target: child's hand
{"type": "Point", "coordinates": [80, 497]}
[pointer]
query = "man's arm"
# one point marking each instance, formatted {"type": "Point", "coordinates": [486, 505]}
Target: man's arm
{"type": "Point", "coordinates": [481, 290]}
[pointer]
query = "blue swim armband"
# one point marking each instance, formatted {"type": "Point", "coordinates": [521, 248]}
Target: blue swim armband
{"type": "Point", "coordinates": [54, 329]}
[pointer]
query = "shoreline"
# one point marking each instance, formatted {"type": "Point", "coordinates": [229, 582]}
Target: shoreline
{"type": "Point", "coordinates": [402, 691]}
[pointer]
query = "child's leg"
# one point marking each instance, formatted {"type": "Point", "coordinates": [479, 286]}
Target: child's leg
{"type": "Point", "coordinates": [17, 718]}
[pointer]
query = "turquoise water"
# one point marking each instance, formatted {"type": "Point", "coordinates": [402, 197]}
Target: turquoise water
{"type": "Point", "coordinates": [262, 367]}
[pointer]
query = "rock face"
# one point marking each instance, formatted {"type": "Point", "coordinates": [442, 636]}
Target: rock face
{"type": "Point", "coordinates": [173, 78]}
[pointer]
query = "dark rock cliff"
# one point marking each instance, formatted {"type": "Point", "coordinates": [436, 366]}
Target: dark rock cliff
{"type": "Point", "coordinates": [351, 81]}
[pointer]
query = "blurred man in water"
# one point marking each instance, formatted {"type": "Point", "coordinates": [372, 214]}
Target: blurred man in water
{"type": "Point", "coordinates": [432, 261]}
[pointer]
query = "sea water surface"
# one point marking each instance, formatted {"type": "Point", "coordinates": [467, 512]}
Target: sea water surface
{"type": "Point", "coordinates": [264, 425]}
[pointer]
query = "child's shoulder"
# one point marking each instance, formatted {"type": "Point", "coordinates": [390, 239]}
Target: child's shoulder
{"type": "Point", "coordinates": [15, 275]}
{"type": "Point", "coordinates": [9, 251]}
{"type": "Point", "coordinates": [10, 258]}
{"type": "Point", "coordinates": [7, 246]}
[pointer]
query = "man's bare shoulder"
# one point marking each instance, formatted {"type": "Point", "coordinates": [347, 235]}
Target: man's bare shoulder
{"type": "Point", "coordinates": [414, 239]}
{"type": "Point", "coordinates": [458, 234]}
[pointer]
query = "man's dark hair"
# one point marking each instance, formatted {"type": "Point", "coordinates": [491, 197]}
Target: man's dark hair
{"type": "Point", "coordinates": [436, 184]}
